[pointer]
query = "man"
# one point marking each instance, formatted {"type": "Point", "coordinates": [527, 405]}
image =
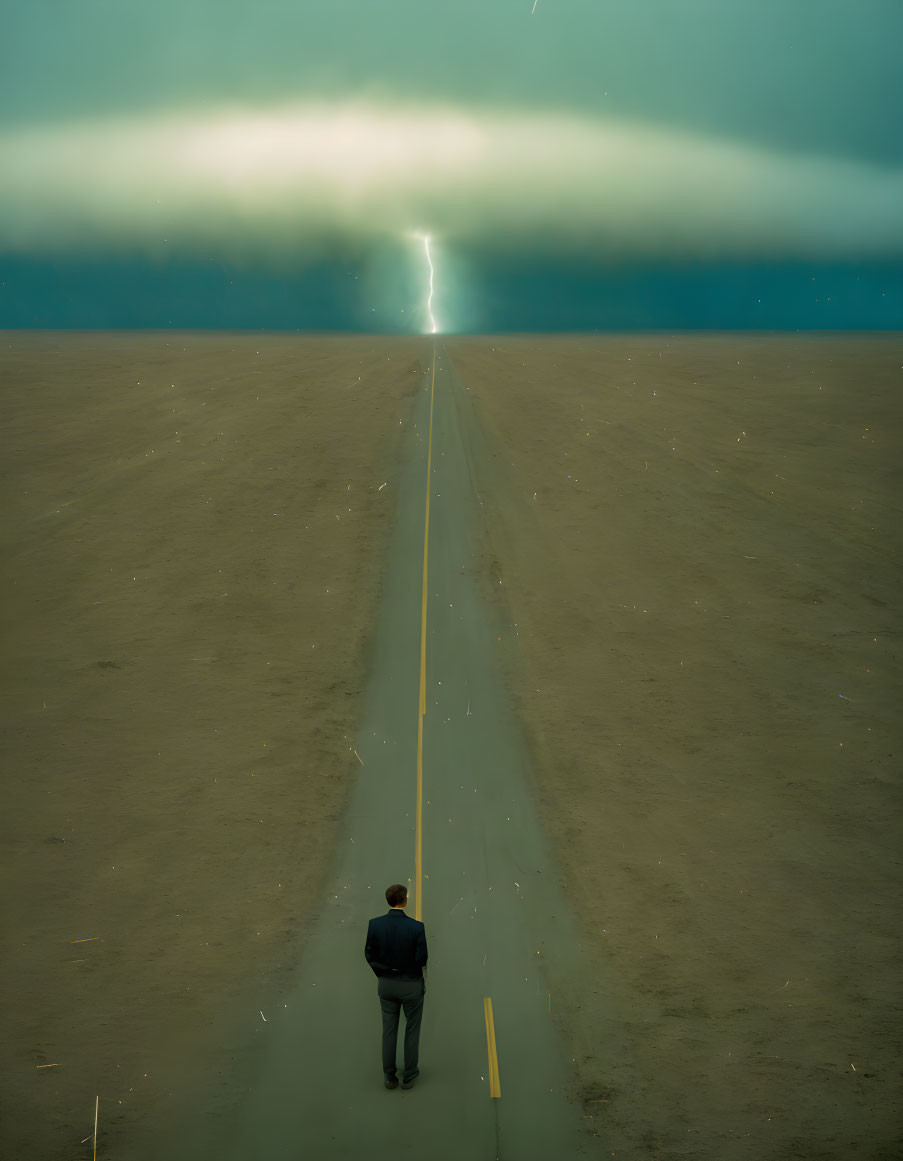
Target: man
{"type": "Point", "coordinates": [396, 950]}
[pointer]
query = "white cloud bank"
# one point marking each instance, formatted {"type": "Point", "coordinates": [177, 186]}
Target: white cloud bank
{"type": "Point", "coordinates": [285, 185]}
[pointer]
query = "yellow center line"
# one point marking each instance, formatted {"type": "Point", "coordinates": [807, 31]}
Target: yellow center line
{"type": "Point", "coordinates": [418, 882]}
{"type": "Point", "coordinates": [495, 1089]}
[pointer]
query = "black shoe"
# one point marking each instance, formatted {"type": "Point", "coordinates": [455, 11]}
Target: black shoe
{"type": "Point", "coordinates": [408, 1083]}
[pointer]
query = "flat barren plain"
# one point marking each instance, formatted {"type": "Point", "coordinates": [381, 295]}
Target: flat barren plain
{"type": "Point", "coordinates": [696, 540]}
{"type": "Point", "coordinates": [191, 546]}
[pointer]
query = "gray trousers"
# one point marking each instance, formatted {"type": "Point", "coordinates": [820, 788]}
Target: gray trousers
{"type": "Point", "coordinates": [393, 994]}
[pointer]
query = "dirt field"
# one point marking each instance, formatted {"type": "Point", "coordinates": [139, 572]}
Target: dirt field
{"type": "Point", "coordinates": [698, 540]}
{"type": "Point", "coordinates": [192, 535]}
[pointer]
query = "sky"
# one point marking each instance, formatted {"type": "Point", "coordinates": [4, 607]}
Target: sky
{"type": "Point", "coordinates": [575, 164]}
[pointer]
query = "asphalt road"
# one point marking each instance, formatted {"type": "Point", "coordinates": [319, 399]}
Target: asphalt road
{"type": "Point", "coordinates": [497, 922]}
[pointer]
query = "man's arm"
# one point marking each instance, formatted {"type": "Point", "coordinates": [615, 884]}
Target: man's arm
{"type": "Point", "coordinates": [420, 953]}
{"type": "Point", "coordinates": [371, 951]}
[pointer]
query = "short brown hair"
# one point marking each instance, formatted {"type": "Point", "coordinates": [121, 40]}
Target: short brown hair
{"type": "Point", "coordinates": [396, 894]}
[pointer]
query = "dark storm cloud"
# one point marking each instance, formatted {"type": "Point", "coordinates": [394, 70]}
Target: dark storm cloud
{"type": "Point", "coordinates": [285, 184]}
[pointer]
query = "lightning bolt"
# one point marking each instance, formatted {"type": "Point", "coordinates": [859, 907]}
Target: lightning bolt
{"type": "Point", "coordinates": [429, 301]}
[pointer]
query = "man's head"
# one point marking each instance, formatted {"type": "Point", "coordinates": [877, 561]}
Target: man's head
{"type": "Point", "coordinates": [397, 895]}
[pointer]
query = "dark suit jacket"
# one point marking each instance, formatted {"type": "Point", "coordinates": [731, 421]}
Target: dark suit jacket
{"type": "Point", "coordinates": [396, 946]}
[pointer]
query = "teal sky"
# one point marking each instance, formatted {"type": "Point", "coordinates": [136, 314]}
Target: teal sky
{"type": "Point", "coordinates": [793, 74]}
{"type": "Point", "coordinates": [274, 137]}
